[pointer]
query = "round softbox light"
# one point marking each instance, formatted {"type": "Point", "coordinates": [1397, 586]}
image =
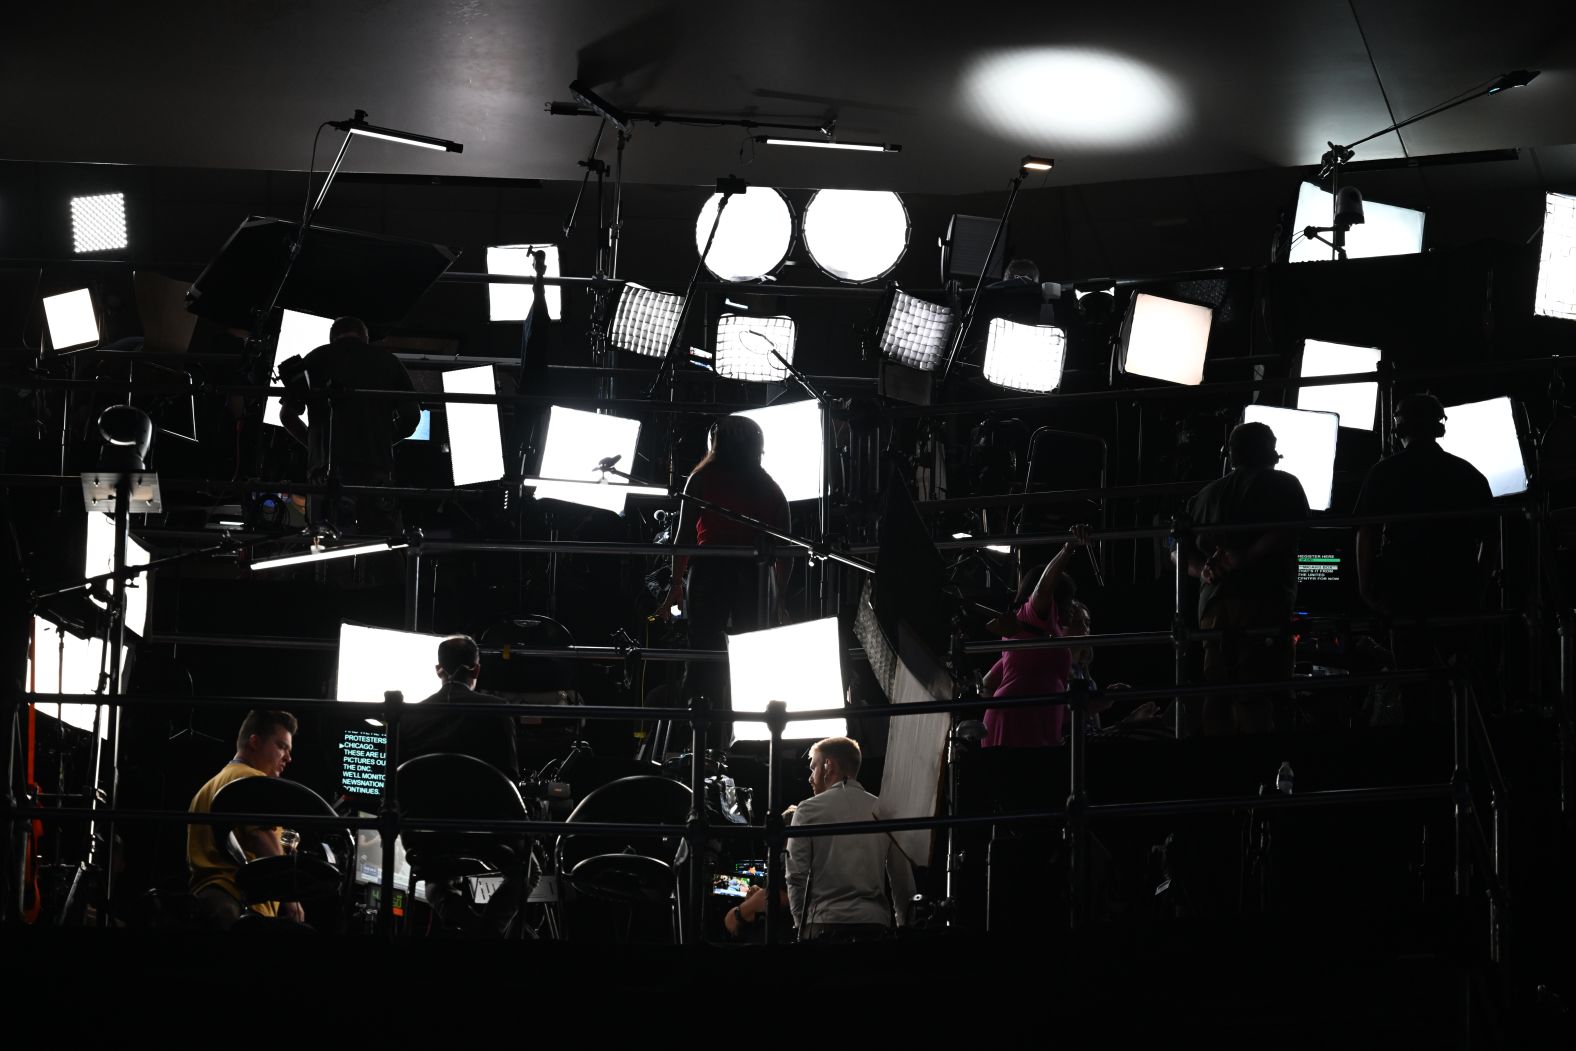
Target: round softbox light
{"type": "Point", "coordinates": [856, 235]}
{"type": "Point", "coordinates": [753, 237]}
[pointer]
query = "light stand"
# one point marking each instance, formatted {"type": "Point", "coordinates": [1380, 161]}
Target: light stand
{"type": "Point", "coordinates": [727, 187]}
{"type": "Point", "coordinates": [823, 510]}
{"type": "Point", "coordinates": [608, 234]}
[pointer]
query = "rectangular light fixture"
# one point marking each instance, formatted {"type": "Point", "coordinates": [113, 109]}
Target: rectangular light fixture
{"type": "Point", "coordinates": [426, 142]}
{"type": "Point", "coordinates": [513, 302]}
{"type": "Point", "coordinates": [475, 436]}
{"type": "Point", "coordinates": [1306, 443]}
{"type": "Point", "coordinates": [99, 557]}
{"type": "Point", "coordinates": [1024, 357]}
{"type": "Point", "coordinates": [327, 554]}
{"type": "Point", "coordinates": [299, 335]}
{"type": "Point", "coordinates": [645, 320]}
{"type": "Point", "coordinates": [1556, 295]}
{"type": "Point", "coordinates": [1387, 229]}
{"type": "Point", "coordinates": [572, 483]}
{"type": "Point", "coordinates": [828, 144]}
{"type": "Point", "coordinates": [1037, 164]}
{"type": "Point", "coordinates": [916, 331]}
{"type": "Point", "coordinates": [1354, 403]}
{"type": "Point", "coordinates": [1001, 549]}
{"type": "Point", "coordinates": [576, 442]}
{"type": "Point", "coordinates": [98, 222]}
{"type": "Point", "coordinates": [1164, 339]}
{"type": "Point", "coordinates": [745, 345]}
{"type": "Point", "coordinates": [800, 665]}
{"type": "Point", "coordinates": [59, 662]}
{"type": "Point", "coordinates": [795, 447]}
{"type": "Point", "coordinates": [1484, 434]}
{"type": "Point", "coordinates": [373, 660]}
{"type": "Point", "coordinates": [72, 323]}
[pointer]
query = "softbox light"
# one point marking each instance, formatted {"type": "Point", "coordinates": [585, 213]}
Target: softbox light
{"type": "Point", "coordinates": [72, 323]}
{"type": "Point", "coordinates": [1164, 339]}
{"type": "Point", "coordinates": [373, 660]}
{"type": "Point", "coordinates": [59, 662]}
{"type": "Point", "coordinates": [513, 302]}
{"type": "Point", "coordinates": [1306, 443]}
{"type": "Point", "coordinates": [753, 236]}
{"type": "Point", "coordinates": [856, 235]}
{"type": "Point", "coordinates": [99, 557]}
{"type": "Point", "coordinates": [800, 665]}
{"type": "Point", "coordinates": [299, 335]}
{"type": "Point", "coordinates": [475, 437]}
{"type": "Point", "coordinates": [1386, 229]}
{"type": "Point", "coordinates": [795, 447]}
{"type": "Point", "coordinates": [1354, 403]}
{"type": "Point", "coordinates": [1024, 357]}
{"type": "Point", "coordinates": [576, 442]}
{"type": "Point", "coordinates": [745, 345]}
{"type": "Point", "coordinates": [645, 320]}
{"type": "Point", "coordinates": [916, 331]}
{"type": "Point", "coordinates": [1556, 295]}
{"type": "Point", "coordinates": [1484, 434]}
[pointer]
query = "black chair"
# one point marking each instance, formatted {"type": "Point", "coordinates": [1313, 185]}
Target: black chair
{"type": "Point", "coordinates": [309, 872]}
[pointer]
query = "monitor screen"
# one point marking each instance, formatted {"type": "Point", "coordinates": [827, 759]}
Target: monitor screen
{"type": "Point", "coordinates": [363, 758]}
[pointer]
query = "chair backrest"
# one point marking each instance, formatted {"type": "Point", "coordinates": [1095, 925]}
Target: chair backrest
{"type": "Point", "coordinates": [448, 784]}
{"type": "Point", "coordinates": [270, 795]}
{"type": "Point", "coordinates": [636, 800]}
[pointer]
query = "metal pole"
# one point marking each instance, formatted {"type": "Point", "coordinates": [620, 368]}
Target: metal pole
{"type": "Point", "coordinates": [1563, 720]}
{"type": "Point", "coordinates": [1178, 618]}
{"type": "Point", "coordinates": [776, 839]}
{"type": "Point", "coordinates": [413, 586]}
{"type": "Point", "coordinates": [1077, 820]}
{"type": "Point", "coordinates": [696, 834]}
{"type": "Point", "coordinates": [388, 812]}
{"type": "Point", "coordinates": [1460, 789]}
{"type": "Point", "coordinates": [117, 632]}
{"type": "Point", "coordinates": [763, 581]}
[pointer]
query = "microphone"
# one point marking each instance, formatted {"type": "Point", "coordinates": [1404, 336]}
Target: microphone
{"type": "Point", "coordinates": [607, 463]}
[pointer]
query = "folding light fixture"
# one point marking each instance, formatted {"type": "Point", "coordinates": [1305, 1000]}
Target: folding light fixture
{"type": "Point", "coordinates": [358, 125]}
{"type": "Point", "coordinates": [299, 335]}
{"type": "Point", "coordinates": [1165, 340]}
{"type": "Point", "coordinates": [1024, 357]}
{"type": "Point", "coordinates": [753, 236]}
{"type": "Point", "coordinates": [318, 553]}
{"type": "Point", "coordinates": [1386, 229]}
{"type": "Point", "coordinates": [1484, 434]}
{"type": "Point", "coordinates": [1556, 296]}
{"type": "Point", "coordinates": [745, 345]}
{"type": "Point", "coordinates": [475, 437]}
{"type": "Point", "coordinates": [916, 331]}
{"type": "Point", "coordinates": [1306, 443]}
{"type": "Point", "coordinates": [800, 665]}
{"type": "Point", "coordinates": [375, 660]}
{"type": "Point", "coordinates": [829, 144]}
{"type": "Point", "coordinates": [99, 557]}
{"type": "Point", "coordinates": [98, 222]}
{"type": "Point", "coordinates": [576, 442]}
{"type": "Point", "coordinates": [856, 235]}
{"type": "Point", "coordinates": [795, 447]}
{"type": "Point", "coordinates": [1354, 403]}
{"type": "Point", "coordinates": [59, 662]}
{"type": "Point", "coordinates": [645, 320]}
{"type": "Point", "coordinates": [513, 302]}
{"type": "Point", "coordinates": [72, 323]}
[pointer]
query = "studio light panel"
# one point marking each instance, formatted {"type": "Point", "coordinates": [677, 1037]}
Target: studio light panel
{"type": "Point", "coordinates": [1556, 295]}
{"type": "Point", "coordinates": [753, 236]}
{"type": "Point", "coordinates": [299, 335]}
{"type": "Point", "coordinates": [744, 346]}
{"type": "Point", "coordinates": [1165, 339]}
{"type": "Point", "coordinates": [72, 322]}
{"type": "Point", "coordinates": [795, 447]}
{"type": "Point", "coordinates": [645, 320]}
{"type": "Point", "coordinates": [475, 436]}
{"type": "Point", "coordinates": [1306, 442]}
{"type": "Point", "coordinates": [1386, 229]}
{"type": "Point", "coordinates": [1024, 357]}
{"type": "Point", "coordinates": [60, 662]}
{"type": "Point", "coordinates": [99, 558]}
{"type": "Point", "coordinates": [98, 222]}
{"type": "Point", "coordinates": [856, 235]}
{"type": "Point", "coordinates": [576, 442]}
{"type": "Point", "coordinates": [916, 331]}
{"type": "Point", "coordinates": [1354, 403]}
{"type": "Point", "coordinates": [513, 302]}
{"type": "Point", "coordinates": [372, 660]}
{"type": "Point", "coordinates": [800, 665]}
{"type": "Point", "coordinates": [1484, 434]}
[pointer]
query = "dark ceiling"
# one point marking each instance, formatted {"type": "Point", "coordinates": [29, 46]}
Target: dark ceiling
{"type": "Point", "coordinates": [1135, 90]}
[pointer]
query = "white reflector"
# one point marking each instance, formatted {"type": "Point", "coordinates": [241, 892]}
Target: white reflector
{"type": "Point", "coordinates": [753, 237]}
{"type": "Point", "coordinates": [744, 346]}
{"type": "Point", "coordinates": [514, 302]}
{"type": "Point", "coordinates": [1557, 262]}
{"type": "Point", "coordinates": [1024, 357]}
{"type": "Point", "coordinates": [475, 438]}
{"type": "Point", "coordinates": [299, 335]}
{"type": "Point", "coordinates": [576, 442]}
{"type": "Point", "coordinates": [99, 557]}
{"type": "Point", "coordinates": [372, 660]}
{"type": "Point", "coordinates": [1484, 434]}
{"type": "Point", "coordinates": [1354, 403]}
{"type": "Point", "coordinates": [1165, 340]}
{"type": "Point", "coordinates": [856, 235]}
{"type": "Point", "coordinates": [1306, 442]}
{"type": "Point", "coordinates": [72, 323]}
{"type": "Point", "coordinates": [795, 449]}
{"type": "Point", "coordinates": [916, 331]}
{"type": "Point", "coordinates": [645, 320]}
{"type": "Point", "coordinates": [98, 223]}
{"type": "Point", "coordinates": [800, 665]}
{"type": "Point", "coordinates": [1387, 229]}
{"type": "Point", "coordinates": [62, 663]}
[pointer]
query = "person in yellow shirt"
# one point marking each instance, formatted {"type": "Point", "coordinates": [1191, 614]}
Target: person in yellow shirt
{"type": "Point", "coordinates": [262, 749]}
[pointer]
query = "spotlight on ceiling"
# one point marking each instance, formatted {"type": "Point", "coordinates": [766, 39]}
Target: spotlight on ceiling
{"type": "Point", "coordinates": [745, 345]}
{"type": "Point", "coordinates": [1386, 229]}
{"type": "Point", "coordinates": [1024, 357]}
{"type": "Point", "coordinates": [512, 302]}
{"type": "Point", "coordinates": [1353, 403]}
{"type": "Point", "coordinates": [753, 236]}
{"type": "Point", "coordinates": [98, 222]}
{"type": "Point", "coordinates": [1556, 295]}
{"type": "Point", "coordinates": [1164, 339]}
{"type": "Point", "coordinates": [1306, 443]}
{"type": "Point", "coordinates": [475, 436]}
{"type": "Point", "coordinates": [916, 331]}
{"type": "Point", "coordinates": [645, 320]}
{"type": "Point", "coordinates": [1484, 434]}
{"type": "Point", "coordinates": [829, 144]}
{"type": "Point", "coordinates": [71, 320]}
{"type": "Point", "coordinates": [1027, 94]}
{"type": "Point", "coordinates": [856, 235]}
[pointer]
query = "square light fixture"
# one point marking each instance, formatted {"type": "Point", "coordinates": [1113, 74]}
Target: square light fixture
{"type": "Point", "coordinates": [1354, 403]}
{"type": "Point", "coordinates": [60, 662]}
{"type": "Point", "coordinates": [1164, 339]}
{"type": "Point", "coordinates": [645, 320]}
{"type": "Point", "coordinates": [800, 665]}
{"type": "Point", "coordinates": [576, 442]}
{"type": "Point", "coordinates": [299, 335]}
{"type": "Point", "coordinates": [72, 323]}
{"type": "Point", "coordinates": [98, 222]}
{"type": "Point", "coordinates": [916, 331]}
{"type": "Point", "coordinates": [1024, 357]}
{"type": "Point", "coordinates": [99, 557]}
{"type": "Point", "coordinates": [795, 447]}
{"type": "Point", "coordinates": [1387, 229]}
{"type": "Point", "coordinates": [1306, 443]}
{"type": "Point", "coordinates": [372, 660]}
{"type": "Point", "coordinates": [745, 345]}
{"type": "Point", "coordinates": [513, 302]}
{"type": "Point", "coordinates": [475, 436]}
{"type": "Point", "coordinates": [1556, 295]}
{"type": "Point", "coordinates": [1484, 434]}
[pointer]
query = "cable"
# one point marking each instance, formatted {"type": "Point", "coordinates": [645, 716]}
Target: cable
{"type": "Point", "coordinates": [1377, 79]}
{"type": "Point", "coordinates": [311, 169]}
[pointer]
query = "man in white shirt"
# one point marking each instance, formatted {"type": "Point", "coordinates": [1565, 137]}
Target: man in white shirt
{"type": "Point", "coordinates": [837, 885]}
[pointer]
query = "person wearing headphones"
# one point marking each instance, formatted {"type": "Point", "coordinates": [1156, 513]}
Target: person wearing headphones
{"type": "Point", "coordinates": [1248, 578]}
{"type": "Point", "coordinates": [427, 729]}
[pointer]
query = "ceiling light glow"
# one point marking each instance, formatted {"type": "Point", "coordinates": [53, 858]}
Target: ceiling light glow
{"type": "Point", "coordinates": [1072, 96]}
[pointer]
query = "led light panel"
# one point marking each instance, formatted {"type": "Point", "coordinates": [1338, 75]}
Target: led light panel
{"type": "Point", "coordinates": [475, 438]}
{"type": "Point", "coordinates": [1387, 229]}
{"type": "Point", "coordinates": [1354, 403]}
{"type": "Point", "coordinates": [795, 447]}
{"type": "Point", "coordinates": [856, 235]}
{"type": "Point", "coordinates": [916, 331]}
{"type": "Point", "coordinates": [744, 346]}
{"type": "Point", "coordinates": [1484, 434]}
{"type": "Point", "coordinates": [645, 320]}
{"type": "Point", "coordinates": [372, 660]}
{"type": "Point", "coordinates": [71, 320]}
{"type": "Point", "coordinates": [1556, 296]}
{"type": "Point", "coordinates": [99, 557]}
{"type": "Point", "coordinates": [299, 335]}
{"type": "Point", "coordinates": [753, 237]}
{"type": "Point", "coordinates": [1024, 357]}
{"type": "Point", "coordinates": [514, 302]}
{"type": "Point", "coordinates": [1306, 442]}
{"type": "Point", "coordinates": [800, 665]}
{"type": "Point", "coordinates": [576, 442]}
{"type": "Point", "coordinates": [1165, 340]}
{"type": "Point", "coordinates": [98, 223]}
{"type": "Point", "coordinates": [59, 662]}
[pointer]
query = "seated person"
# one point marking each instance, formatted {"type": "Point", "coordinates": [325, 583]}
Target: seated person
{"type": "Point", "coordinates": [262, 749]}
